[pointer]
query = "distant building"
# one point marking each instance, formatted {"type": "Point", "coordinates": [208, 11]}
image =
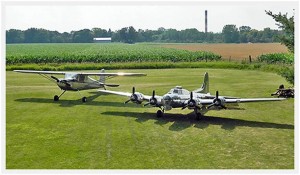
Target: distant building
{"type": "Point", "coordinates": [102, 40]}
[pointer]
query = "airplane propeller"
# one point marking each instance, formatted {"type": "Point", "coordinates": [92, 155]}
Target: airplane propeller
{"type": "Point", "coordinates": [191, 103]}
{"type": "Point", "coordinates": [57, 80]}
{"type": "Point", "coordinates": [153, 100]}
{"type": "Point", "coordinates": [133, 97]}
{"type": "Point", "coordinates": [62, 81]}
{"type": "Point", "coordinates": [217, 102]}
{"type": "Point", "coordinates": [65, 82]}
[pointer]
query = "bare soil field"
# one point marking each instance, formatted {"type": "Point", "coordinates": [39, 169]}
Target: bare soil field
{"type": "Point", "coordinates": [234, 51]}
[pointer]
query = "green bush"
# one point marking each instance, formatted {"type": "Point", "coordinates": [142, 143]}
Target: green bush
{"type": "Point", "coordinates": [286, 58]}
{"type": "Point", "coordinates": [288, 74]}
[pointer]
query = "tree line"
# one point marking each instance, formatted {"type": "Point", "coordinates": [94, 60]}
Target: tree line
{"type": "Point", "coordinates": [229, 34]}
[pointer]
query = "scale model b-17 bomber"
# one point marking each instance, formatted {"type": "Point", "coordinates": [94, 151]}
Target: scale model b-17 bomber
{"type": "Point", "coordinates": [199, 100]}
{"type": "Point", "coordinates": [77, 81]}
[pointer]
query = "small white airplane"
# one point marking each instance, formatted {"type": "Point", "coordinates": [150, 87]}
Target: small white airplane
{"type": "Point", "coordinates": [77, 81]}
{"type": "Point", "coordinates": [199, 100]}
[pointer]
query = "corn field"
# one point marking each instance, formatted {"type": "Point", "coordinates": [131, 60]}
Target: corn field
{"type": "Point", "coordinates": [100, 53]}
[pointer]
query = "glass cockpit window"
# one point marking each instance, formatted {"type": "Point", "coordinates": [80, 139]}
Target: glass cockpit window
{"type": "Point", "coordinates": [71, 76]}
{"type": "Point", "coordinates": [81, 78]}
{"type": "Point", "coordinates": [175, 91]}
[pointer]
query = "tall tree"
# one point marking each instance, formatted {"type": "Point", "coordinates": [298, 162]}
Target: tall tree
{"type": "Point", "coordinates": [83, 36]}
{"type": "Point", "coordinates": [14, 36]}
{"type": "Point", "coordinates": [230, 34]}
{"type": "Point", "coordinates": [244, 30]}
{"type": "Point", "coordinates": [128, 35]}
{"type": "Point", "coordinates": [98, 32]}
{"type": "Point", "coordinates": [132, 35]}
{"type": "Point", "coordinates": [287, 25]}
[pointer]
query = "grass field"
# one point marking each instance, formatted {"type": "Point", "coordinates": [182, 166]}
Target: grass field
{"type": "Point", "coordinates": [234, 51]}
{"type": "Point", "coordinates": [106, 134]}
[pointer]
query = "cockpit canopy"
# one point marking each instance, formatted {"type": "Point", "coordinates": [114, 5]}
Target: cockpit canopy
{"type": "Point", "coordinates": [178, 90]}
{"type": "Point", "coordinates": [75, 76]}
{"type": "Point", "coordinates": [71, 76]}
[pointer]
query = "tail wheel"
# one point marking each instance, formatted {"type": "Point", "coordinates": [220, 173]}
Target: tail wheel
{"type": "Point", "coordinates": [159, 114]}
{"type": "Point", "coordinates": [84, 99]}
{"type": "Point", "coordinates": [56, 98]}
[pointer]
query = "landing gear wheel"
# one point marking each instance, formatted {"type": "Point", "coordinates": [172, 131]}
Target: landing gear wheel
{"type": "Point", "coordinates": [198, 116]}
{"type": "Point", "coordinates": [56, 98]}
{"type": "Point", "coordinates": [84, 99]}
{"type": "Point", "coordinates": [159, 114]}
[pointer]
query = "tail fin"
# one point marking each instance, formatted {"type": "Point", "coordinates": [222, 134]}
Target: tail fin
{"type": "Point", "coordinates": [205, 85]}
{"type": "Point", "coordinates": [102, 78]}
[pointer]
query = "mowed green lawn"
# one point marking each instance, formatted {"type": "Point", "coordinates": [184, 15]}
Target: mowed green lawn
{"type": "Point", "coordinates": [106, 134]}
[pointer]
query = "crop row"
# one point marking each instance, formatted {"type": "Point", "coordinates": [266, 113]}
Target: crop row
{"type": "Point", "coordinates": [100, 53]}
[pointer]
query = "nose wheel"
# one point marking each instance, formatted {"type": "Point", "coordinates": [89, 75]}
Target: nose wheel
{"type": "Point", "coordinates": [84, 99]}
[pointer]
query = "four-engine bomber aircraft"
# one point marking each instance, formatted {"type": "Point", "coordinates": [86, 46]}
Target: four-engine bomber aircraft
{"type": "Point", "coordinates": [77, 81]}
{"type": "Point", "coordinates": [199, 100]}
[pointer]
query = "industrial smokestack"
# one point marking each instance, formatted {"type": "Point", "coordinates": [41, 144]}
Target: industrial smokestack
{"type": "Point", "coordinates": [205, 21]}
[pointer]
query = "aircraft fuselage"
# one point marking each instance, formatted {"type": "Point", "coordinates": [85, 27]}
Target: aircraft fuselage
{"type": "Point", "coordinates": [77, 82]}
{"type": "Point", "coordinates": [78, 86]}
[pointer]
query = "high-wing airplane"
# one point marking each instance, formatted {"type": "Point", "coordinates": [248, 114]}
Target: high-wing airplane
{"type": "Point", "coordinates": [77, 81]}
{"type": "Point", "coordinates": [199, 100]}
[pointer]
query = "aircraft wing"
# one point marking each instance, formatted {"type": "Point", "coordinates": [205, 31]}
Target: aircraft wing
{"type": "Point", "coordinates": [239, 100]}
{"type": "Point", "coordinates": [128, 94]}
{"type": "Point", "coordinates": [113, 74]}
{"type": "Point", "coordinates": [81, 73]}
{"type": "Point", "coordinates": [208, 96]}
{"type": "Point", "coordinates": [40, 72]}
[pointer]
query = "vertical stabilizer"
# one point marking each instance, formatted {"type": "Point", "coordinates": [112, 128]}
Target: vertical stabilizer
{"type": "Point", "coordinates": [102, 78]}
{"type": "Point", "coordinates": [205, 85]}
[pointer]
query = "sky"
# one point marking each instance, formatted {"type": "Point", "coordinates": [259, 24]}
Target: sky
{"type": "Point", "coordinates": [65, 17]}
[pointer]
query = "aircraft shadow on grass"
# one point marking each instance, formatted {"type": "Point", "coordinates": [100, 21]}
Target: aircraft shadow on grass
{"type": "Point", "coordinates": [182, 121]}
{"type": "Point", "coordinates": [71, 103]}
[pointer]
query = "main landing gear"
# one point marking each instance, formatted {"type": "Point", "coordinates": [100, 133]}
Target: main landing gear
{"type": "Point", "coordinates": [160, 113]}
{"type": "Point", "coordinates": [56, 97]}
{"type": "Point", "coordinates": [198, 115]}
{"type": "Point", "coordinates": [84, 99]}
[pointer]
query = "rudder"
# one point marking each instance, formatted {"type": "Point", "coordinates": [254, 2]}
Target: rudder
{"type": "Point", "coordinates": [205, 85]}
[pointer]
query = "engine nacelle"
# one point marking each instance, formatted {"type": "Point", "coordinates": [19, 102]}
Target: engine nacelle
{"type": "Point", "coordinates": [137, 98]}
{"type": "Point", "coordinates": [191, 104]}
{"type": "Point", "coordinates": [219, 102]}
{"type": "Point", "coordinates": [153, 101]}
